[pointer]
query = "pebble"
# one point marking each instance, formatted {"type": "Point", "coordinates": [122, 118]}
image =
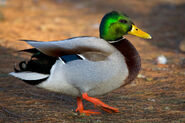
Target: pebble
{"type": "Point", "coordinates": [149, 108]}
{"type": "Point", "coordinates": [149, 79]}
{"type": "Point", "coordinates": [152, 100]}
{"type": "Point", "coordinates": [167, 108]}
{"type": "Point", "coordinates": [161, 59]}
{"type": "Point", "coordinates": [141, 76]}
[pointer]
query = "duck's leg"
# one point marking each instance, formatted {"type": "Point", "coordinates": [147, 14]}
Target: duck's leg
{"type": "Point", "coordinates": [99, 103]}
{"type": "Point", "coordinates": [81, 110]}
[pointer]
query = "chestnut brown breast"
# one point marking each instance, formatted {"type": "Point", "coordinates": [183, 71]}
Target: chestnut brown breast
{"type": "Point", "coordinates": [132, 58]}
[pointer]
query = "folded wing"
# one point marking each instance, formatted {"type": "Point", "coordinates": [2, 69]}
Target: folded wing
{"type": "Point", "coordinates": [77, 45]}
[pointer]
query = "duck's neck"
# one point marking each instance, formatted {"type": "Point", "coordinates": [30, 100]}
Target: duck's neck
{"type": "Point", "coordinates": [132, 58]}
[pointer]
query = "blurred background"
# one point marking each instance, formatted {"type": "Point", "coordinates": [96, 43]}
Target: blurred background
{"type": "Point", "coordinates": [157, 95]}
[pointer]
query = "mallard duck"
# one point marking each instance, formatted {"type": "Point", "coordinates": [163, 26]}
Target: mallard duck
{"type": "Point", "coordinates": [85, 66]}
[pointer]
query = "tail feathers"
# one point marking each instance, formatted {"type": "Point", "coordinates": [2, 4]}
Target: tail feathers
{"type": "Point", "coordinates": [32, 78]}
{"type": "Point", "coordinates": [39, 62]}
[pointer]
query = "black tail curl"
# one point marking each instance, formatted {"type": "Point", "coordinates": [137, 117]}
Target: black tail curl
{"type": "Point", "coordinates": [38, 62]}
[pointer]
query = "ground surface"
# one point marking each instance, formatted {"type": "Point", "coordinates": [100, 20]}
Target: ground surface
{"type": "Point", "coordinates": [157, 96]}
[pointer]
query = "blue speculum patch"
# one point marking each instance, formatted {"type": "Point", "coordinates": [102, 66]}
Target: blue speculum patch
{"type": "Point", "coordinates": [69, 58]}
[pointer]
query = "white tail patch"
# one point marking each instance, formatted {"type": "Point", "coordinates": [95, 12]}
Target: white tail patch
{"type": "Point", "coordinates": [29, 75]}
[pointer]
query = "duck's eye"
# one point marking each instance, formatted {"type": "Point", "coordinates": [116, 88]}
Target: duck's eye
{"type": "Point", "coordinates": [123, 21]}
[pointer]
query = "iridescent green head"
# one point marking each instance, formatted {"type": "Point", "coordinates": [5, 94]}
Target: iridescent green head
{"type": "Point", "coordinates": [114, 25]}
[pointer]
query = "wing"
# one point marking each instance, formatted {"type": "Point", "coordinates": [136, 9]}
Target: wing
{"type": "Point", "coordinates": [77, 45]}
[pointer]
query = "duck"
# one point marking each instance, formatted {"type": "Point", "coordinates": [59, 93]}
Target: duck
{"type": "Point", "coordinates": [85, 67]}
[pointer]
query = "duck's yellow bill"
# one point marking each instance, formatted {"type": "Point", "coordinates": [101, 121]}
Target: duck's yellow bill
{"type": "Point", "coordinates": [138, 32]}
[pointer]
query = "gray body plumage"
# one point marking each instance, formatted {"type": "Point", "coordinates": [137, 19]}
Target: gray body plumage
{"type": "Point", "coordinates": [92, 75]}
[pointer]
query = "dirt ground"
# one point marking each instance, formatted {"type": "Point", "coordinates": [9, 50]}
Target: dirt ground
{"type": "Point", "coordinates": [156, 96]}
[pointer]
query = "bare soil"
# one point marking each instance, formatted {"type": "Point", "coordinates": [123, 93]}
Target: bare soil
{"type": "Point", "coordinates": [156, 96]}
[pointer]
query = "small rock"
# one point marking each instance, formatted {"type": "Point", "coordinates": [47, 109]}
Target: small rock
{"type": "Point", "coordinates": [30, 110]}
{"type": "Point", "coordinates": [149, 79]}
{"type": "Point", "coordinates": [152, 100]}
{"type": "Point", "coordinates": [182, 46]}
{"type": "Point", "coordinates": [141, 76]}
{"type": "Point", "coordinates": [149, 108]}
{"type": "Point", "coordinates": [161, 59]}
{"type": "Point", "coordinates": [167, 108]}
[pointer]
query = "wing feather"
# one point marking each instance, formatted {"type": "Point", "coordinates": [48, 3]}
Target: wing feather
{"type": "Point", "coordinates": [77, 45]}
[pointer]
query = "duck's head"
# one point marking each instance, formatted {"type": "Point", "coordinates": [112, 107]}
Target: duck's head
{"type": "Point", "coordinates": [114, 25]}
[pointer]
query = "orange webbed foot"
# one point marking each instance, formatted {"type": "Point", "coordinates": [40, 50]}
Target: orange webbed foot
{"type": "Point", "coordinates": [100, 104]}
{"type": "Point", "coordinates": [81, 110]}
